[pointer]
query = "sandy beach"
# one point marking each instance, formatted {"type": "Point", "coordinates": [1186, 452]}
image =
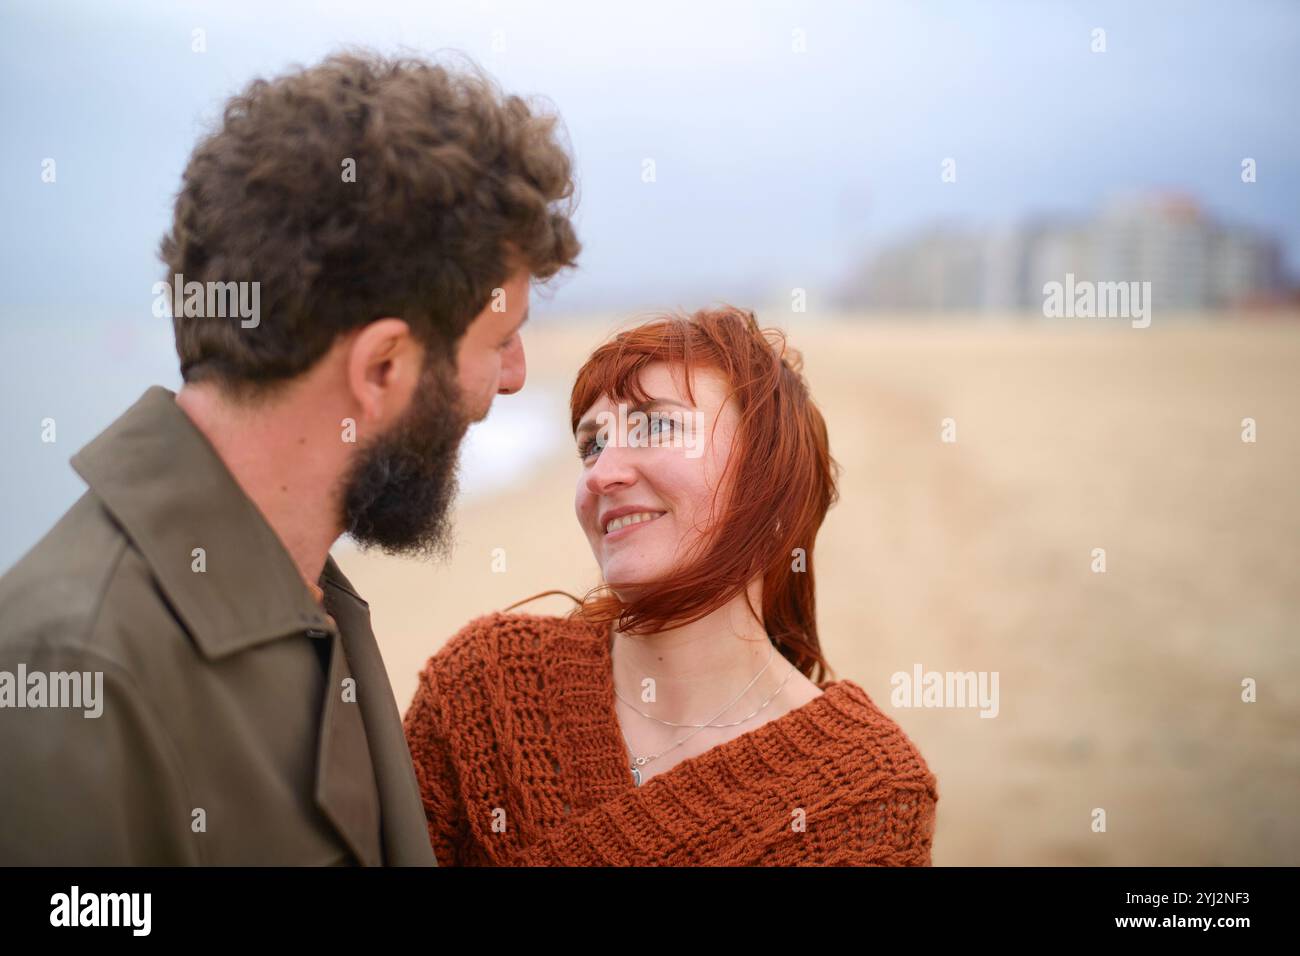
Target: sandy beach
{"type": "Point", "coordinates": [1119, 690]}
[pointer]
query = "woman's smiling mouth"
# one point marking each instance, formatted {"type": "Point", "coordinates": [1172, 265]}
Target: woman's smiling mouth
{"type": "Point", "coordinates": [624, 524]}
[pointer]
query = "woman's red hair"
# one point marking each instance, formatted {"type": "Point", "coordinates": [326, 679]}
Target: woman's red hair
{"type": "Point", "coordinates": [780, 465]}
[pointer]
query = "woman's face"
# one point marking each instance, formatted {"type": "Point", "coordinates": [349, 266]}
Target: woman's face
{"type": "Point", "coordinates": [668, 468]}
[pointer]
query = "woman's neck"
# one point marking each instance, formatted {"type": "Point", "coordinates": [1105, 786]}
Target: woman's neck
{"type": "Point", "coordinates": [687, 674]}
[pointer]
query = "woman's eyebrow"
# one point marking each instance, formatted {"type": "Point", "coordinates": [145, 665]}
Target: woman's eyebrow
{"type": "Point", "coordinates": [589, 424]}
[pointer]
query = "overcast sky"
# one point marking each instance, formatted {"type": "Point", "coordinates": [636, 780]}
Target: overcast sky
{"type": "Point", "coordinates": [773, 167]}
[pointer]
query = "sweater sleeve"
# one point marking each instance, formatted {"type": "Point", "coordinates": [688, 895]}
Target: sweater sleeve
{"type": "Point", "coordinates": [444, 809]}
{"type": "Point", "coordinates": [896, 829]}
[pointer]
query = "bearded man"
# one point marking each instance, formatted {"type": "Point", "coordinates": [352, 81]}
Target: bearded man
{"type": "Point", "coordinates": [391, 215]}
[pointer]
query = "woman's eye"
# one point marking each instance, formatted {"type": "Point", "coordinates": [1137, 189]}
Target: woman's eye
{"type": "Point", "coordinates": [586, 448]}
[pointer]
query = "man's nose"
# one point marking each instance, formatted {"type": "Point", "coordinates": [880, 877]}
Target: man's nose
{"type": "Point", "coordinates": [514, 369]}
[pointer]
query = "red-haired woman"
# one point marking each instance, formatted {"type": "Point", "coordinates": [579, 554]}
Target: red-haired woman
{"type": "Point", "coordinates": [681, 714]}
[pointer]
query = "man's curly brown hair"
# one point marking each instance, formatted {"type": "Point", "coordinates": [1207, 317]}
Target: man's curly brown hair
{"type": "Point", "coordinates": [456, 186]}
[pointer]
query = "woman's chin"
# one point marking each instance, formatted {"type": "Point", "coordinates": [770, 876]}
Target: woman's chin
{"type": "Point", "coordinates": [624, 590]}
{"type": "Point", "coordinates": [627, 586]}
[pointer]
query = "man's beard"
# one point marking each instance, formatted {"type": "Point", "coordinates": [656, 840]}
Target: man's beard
{"type": "Point", "coordinates": [398, 494]}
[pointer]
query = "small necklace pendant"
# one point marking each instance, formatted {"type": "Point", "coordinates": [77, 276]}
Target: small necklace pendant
{"type": "Point", "coordinates": [636, 776]}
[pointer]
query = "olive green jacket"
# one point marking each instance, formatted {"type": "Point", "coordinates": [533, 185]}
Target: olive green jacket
{"type": "Point", "coordinates": [237, 722]}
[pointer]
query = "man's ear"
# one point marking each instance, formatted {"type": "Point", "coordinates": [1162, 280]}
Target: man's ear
{"type": "Point", "coordinates": [383, 369]}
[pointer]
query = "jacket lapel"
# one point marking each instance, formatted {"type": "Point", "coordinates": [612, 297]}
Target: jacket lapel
{"type": "Point", "coordinates": [345, 784]}
{"type": "Point", "coordinates": [405, 829]}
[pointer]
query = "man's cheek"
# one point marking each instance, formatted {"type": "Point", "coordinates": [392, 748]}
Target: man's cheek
{"type": "Point", "coordinates": [481, 402]}
{"type": "Point", "coordinates": [471, 388]}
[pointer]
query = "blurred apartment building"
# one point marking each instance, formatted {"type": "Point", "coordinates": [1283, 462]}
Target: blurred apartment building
{"type": "Point", "coordinates": [1192, 261]}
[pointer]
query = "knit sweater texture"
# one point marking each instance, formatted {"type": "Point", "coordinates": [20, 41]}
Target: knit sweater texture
{"type": "Point", "coordinates": [521, 762]}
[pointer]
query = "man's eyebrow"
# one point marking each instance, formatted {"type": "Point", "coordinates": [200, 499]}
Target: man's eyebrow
{"type": "Point", "coordinates": [589, 424]}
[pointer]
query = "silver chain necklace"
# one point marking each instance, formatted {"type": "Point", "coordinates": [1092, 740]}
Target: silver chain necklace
{"type": "Point", "coordinates": [639, 762]}
{"type": "Point", "coordinates": [672, 723]}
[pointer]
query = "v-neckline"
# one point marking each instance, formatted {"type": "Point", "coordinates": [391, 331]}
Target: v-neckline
{"type": "Point", "coordinates": [616, 745]}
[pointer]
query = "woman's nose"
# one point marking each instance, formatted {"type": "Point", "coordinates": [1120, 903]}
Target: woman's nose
{"type": "Point", "coordinates": [612, 469]}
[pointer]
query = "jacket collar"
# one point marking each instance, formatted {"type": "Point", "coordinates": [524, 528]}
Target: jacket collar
{"type": "Point", "coordinates": [165, 485]}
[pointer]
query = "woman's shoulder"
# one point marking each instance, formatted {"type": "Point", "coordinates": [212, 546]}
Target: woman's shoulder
{"type": "Point", "coordinates": [871, 736]}
{"type": "Point", "coordinates": [470, 676]}
{"type": "Point", "coordinates": [487, 641]}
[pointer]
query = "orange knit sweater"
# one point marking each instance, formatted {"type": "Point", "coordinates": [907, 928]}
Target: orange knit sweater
{"type": "Point", "coordinates": [521, 762]}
